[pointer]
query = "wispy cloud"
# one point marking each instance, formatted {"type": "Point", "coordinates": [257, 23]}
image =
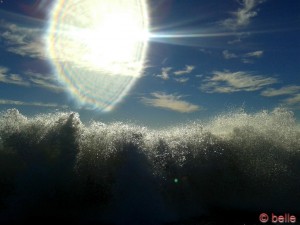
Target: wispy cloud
{"type": "Point", "coordinates": [235, 41]}
{"type": "Point", "coordinates": [245, 58]}
{"type": "Point", "coordinates": [228, 82]}
{"type": "Point", "coordinates": [243, 15]}
{"type": "Point", "coordinates": [16, 77]}
{"type": "Point", "coordinates": [8, 78]}
{"type": "Point", "coordinates": [170, 101]}
{"type": "Point", "coordinates": [32, 80]}
{"type": "Point", "coordinates": [40, 104]}
{"type": "Point", "coordinates": [247, 61]}
{"type": "Point", "coordinates": [182, 80]}
{"type": "Point", "coordinates": [239, 37]}
{"type": "Point", "coordinates": [288, 90]}
{"type": "Point", "coordinates": [229, 55]}
{"type": "Point", "coordinates": [164, 73]}
{"type": "Point", "coordinates": [294, 100]}
{"type": "Point", "coordinates": [256, 54]}
{"type": "Point", "coordinates": [292, 91]}
{"type": "Point", "coordinates": [188, 69]}
{"type": "Point", "coordinates": [206, 51]}
{"type": "Point", "coordinates": [44, 81]}
{"type": "Point", "coordinates": [24, 41]}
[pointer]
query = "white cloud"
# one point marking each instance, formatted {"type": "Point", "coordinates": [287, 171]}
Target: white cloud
{"type": "Point", "coordinates": [292, 91]}
{"type": "Point", "coordinates": [228, 82]}
{"type": "Point", "coordinates": [50, 78]}
{"type": "Point", "coordinates": [188, 69]}
{"type": "Point", "coordinates": [205, 51]}
{"type": "Point", "coordinates": [245, 58]}
{"type": "Point", "coordinates": [23, 41]}
{"type": "Point", "coordinates": [44, 84]}
{"type": "Point", "coordinates": [35, 49]}
{"type": "Point", "coordinates": [239, 37]}
{"type": "Point", "coordinates": [16, 77]}
{"type": "Point", "coordinates": [256, 54]}
{"type": "Point", "coordinates": [44, 81]}
{"type": "Point", "coordinates": [182, 80]}
{"type": "Point", "coordinates": [13, 38]}
{"type": "Point", "coordinates": [235, 41]}
{"type": "Point", "coordinates": [243, 15]}
{"type": "Point", "coordinates": [164, 73]}
{"type": "Point", "coordinates": [3, 71]}
{"type": "Point", "coordinates": [247, 61]}
{"type": "Point", "coordinates": [33, 80]}
{"type": "Point", "coordinates": [171, 102]}
{"type": "Point", "coordinates": [7, 78]}
{"type": "Point", "coordinates": [288, 90]}
{"type": "Point", "coordinates": [13, 102]}
{"type": "Point", "coordinates": [294, 100]}
{"type": "Point", "coordinates": [229, 55]}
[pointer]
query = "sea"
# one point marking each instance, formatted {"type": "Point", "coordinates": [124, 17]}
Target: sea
{"type": "Point", "coordinates": [236, 168]}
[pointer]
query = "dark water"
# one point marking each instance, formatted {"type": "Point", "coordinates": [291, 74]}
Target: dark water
{"type": "Point", "coordinates": [55, 169]}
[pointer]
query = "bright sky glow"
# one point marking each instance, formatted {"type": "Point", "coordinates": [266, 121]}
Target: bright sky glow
{"type": "Point", "coordinates": [98, 48]}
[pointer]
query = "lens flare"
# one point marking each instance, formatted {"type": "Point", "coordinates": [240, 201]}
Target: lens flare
{"type": "Point", "coordinates": [98, 48]}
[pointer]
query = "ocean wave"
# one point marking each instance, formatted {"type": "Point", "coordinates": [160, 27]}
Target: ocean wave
{"type": "Point", "coordinates": [54, 166]}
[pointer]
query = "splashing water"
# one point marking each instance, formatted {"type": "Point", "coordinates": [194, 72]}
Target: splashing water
{"type": "Point", "coordinates": [56, 167]}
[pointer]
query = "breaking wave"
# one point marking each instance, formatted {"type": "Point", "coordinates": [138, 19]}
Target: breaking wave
{"type": "Point", "coordinates": [53, 166]}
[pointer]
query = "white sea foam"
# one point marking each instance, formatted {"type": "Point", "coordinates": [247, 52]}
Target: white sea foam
{"type": "Point", "coordinates": [126, 174]}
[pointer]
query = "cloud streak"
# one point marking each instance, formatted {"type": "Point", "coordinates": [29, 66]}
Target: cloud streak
{"type": "Point", "coordinates": [39, 104]}
{"type": "Point", "coordinates": [293, 91]}
{"type": "Point", "coordinates": [246, 58]}
{"type": "Point", "coordinates": [7, 78]}
{"type": "Point", "coordinates": [44, 81]}
{"type": "Point", "coordinates": [188, 69]}
{"type": "Point", "coordinates": [229, 55]}
{"type": "Point", "coordinates": [294, 100]}
{"type": "Point", "coordinates": [170, 102]}
{"type": "Point", "coordinates": [256, 54]}
{"type": "Point", "coordinates": [182, 80]}
{"type": "Point", "coordinates": [288, 90]}
{"type": "Point", "coordinates": [243, 15]}
{"type": "Point", "coordinates": [23, 41]}
{"type": "Point", "coordinates": [229, 82]}
{"type": "Point", "coordinates": [164, 73]}
{"type": "Point", "coordinates": [33, 80]}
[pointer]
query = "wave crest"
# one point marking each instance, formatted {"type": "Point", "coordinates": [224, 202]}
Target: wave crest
{"type": "Point", "coordinates": [52, 164]}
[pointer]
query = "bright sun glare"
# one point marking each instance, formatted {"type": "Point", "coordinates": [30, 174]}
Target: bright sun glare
{"type": "Point", "coordinates": [98, 45]}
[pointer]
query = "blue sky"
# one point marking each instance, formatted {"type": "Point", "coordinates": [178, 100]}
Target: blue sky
{"type": "Point", "coordinates": [203, 58]}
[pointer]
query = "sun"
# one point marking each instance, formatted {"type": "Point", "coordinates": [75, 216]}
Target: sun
{"type": "Point", "coordinates": [113, 41]}
{"type": "Point", "coordinates": [92, 43]}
